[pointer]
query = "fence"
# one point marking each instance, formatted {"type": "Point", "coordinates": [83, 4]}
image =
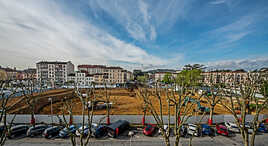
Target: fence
{"type": "Point", "coordinates": [135, 119]}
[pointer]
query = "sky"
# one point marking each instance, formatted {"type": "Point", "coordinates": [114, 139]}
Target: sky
{"type": "Point", "coordinates": [135, 34]}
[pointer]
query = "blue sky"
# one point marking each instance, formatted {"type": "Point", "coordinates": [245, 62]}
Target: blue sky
{"type": "Point", "coordinates": [143, 34]}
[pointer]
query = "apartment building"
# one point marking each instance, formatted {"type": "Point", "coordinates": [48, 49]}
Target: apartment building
{"type": "Point", "coordinates": [92, 69]}
{"type": "Point", "coordinates": [230, 77]}
{"type": "Point", "coordinates": [53, 72]}
{"type": "Point", "coordinates": [110, 75]}
{"type": "Point", "coordinates": [9, 73]}
{"type": "Point", "coordinates": [81, 78]}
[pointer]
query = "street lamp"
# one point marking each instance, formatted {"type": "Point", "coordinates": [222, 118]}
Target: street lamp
{"type": "Point", "coordinates": [51, 109]}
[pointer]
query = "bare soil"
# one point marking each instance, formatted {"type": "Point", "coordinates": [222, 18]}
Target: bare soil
{"type": "Point", "coordinates": [125, 102]}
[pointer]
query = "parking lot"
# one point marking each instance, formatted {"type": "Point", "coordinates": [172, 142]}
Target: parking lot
{"type": "Point", "coordinates": [139, 139]}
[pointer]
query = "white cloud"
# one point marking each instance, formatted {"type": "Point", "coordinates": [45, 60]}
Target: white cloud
{"type": "Point", "coordinates": [217, 2]}
{"type": "Point", "coordinates": [247, 64]}
{"type": "Point", "coordinates": [133, 16]}
{"type": "Point", "coordinates": [41, 30]}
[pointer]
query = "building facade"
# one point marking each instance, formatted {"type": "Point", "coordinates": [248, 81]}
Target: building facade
{"type": "Point", "coordinates": [53, 72]}
{"type": "Point", "coordinates": [110, 75]}
{"type": "Point", "coordinates": [230, 78]}
{"type": "Point", "coordinates": [80, 78]}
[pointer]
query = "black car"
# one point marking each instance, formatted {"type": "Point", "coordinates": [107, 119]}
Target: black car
{"type": "Point", "coordinates": [2, 129]}
{"type": "Point", "coordinates": [52, 131]}
{"type": "Point", "coordinates": [117, 128]}
{"type": "Point", "coordinates": [36, 130]}
{"type": "Point", "coordinates": [100, 131]}
{"type": "Point", "coordinates": [17, 131]}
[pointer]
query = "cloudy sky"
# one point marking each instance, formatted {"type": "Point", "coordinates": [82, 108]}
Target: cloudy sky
{"type": "Point", "coordinates": [135, 33]}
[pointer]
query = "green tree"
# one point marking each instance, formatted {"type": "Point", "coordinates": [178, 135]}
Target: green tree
{"type": "Point", "coordinates": [264, 88]}
{"type": "Point", "coordinates": [189, 77]}
{"type": "Point", "coordinates": [168, 79]}
{"type": "Point", "coordinates": [142, 79]}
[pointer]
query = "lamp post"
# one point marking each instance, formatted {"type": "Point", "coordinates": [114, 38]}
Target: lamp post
{"type": "Point", "coordinates": [51, 109]}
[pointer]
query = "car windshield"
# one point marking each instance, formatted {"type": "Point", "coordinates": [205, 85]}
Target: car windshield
{"type": "Point", "coordinates": [234, 126]}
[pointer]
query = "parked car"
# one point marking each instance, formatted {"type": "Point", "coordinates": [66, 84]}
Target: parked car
{"type": "Point", "coordinates": [262, 128]}
{"type": "Point", "coordinates": [52, 131]}
{"type": "Point", "coordinates": [165, 128]}
{"type": "Point", "coordinates": [193, 130]}
{"type": "Point", "coordinates": [98, 105]}
{"type": "Point", "coordinates": [17, 130]}
{"type": "Point", "coordinates": [100, 131]}
{"type": "Point", "coordinates": [79, 131]}
{"type": "Point", "coordinates": [232, 127]}
{"type": "Point", "coordinates": [249, 126]}
{"type": "Point", "coordinates": [149, 129]}
{"type": "Point", "coordinates": [222, 129]}
{"type": "Point", "coordinates": [36, 130]}
{"type": "Point", "coordinates": [117, 128]}
{"type": "Point", "coordinates": [207, 130]}
{"type": "Point", "coordinates": [2, 128]}
{"type": "Point", "coordinates": [64, 133]}
{"type": "Point", "coordinates": [183, 130]}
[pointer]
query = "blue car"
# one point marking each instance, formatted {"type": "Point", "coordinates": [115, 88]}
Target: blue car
{"type": "Point", "coordinates": [206, 130]}
{"type": "Point", "coordinates": [66, 132]}
{"type": "Point", "coordinates": [262, 128]}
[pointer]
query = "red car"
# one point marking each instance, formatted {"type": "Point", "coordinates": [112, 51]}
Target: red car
{"type": "Point", "coordinates": [221, 129]}
{"type": "Point", "coordinates": [149, 129]}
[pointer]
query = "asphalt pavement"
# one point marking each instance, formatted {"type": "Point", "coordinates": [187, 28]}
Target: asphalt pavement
{"type": "Point", "coordinates": [140, 140]}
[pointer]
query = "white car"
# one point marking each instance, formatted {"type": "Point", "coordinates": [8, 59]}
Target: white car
{"type": "Point", "coordinates": [193, 129]}
{"type": "Point", "coordinates": [250, 129]}
{"type": "Point", "coordinates": [165, 128]}
{"type": "Point", "coordinates": [232, 127]}
{"type": "Point", "coordinates": [86, 130]}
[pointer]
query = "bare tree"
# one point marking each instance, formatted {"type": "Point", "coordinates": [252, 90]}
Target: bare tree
{"type": "Point", "coordinates": [184, 109]}
{"type": "Point", "coordinates": [213, 97]}
{"type": "Point", "coordinates": [86, 99]}
{"type": "Point", "coordinates": [260, 104]}
{"type": "Point", "coordinates": [28, 87]}
{"type": "Point", "coordinates": [108, 106]}
{"type": "Point", "coordinates": [145, 95]}
{"type": "Point", "coordinates": [68, 107]}
{"type": "Point", "coordinates": [239, 97]}
{"type": "Point", "coordinates": [175, 100]}
{"type": "Point", "coordinates": [3, 109]}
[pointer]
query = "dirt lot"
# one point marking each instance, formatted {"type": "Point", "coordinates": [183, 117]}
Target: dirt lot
{"type": "Point", "coordinates": [124, 103]}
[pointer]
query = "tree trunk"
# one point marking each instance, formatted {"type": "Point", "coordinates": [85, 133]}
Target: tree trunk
{"type": "Point", "coordinates": [177, 142]}
{"type": "Point", "coordinates": [210, 120]}
{"type": "Point", "coordinates": [252, 141]}
{"type": "Point", "coordinates": [190, 141]}
{"type": "Point", "coordinates": [246, 142]}
{"type": "Point", "coordinates": [167, 142]}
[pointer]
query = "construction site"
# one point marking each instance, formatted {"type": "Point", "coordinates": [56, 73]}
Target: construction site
{"type": "Point", "coordinates": [123, 102]}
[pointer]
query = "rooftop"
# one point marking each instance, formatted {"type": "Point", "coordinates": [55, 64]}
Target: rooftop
{"type": "Point", "coordinates": [53, 62]}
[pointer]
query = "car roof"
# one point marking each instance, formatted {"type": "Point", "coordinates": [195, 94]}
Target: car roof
{"type": "Point", "coordinates": [230, 123]}
{"type": "Point", "coordinates": [18, 126]}
{"type": "Point", "coordinates": [222, 126]}
{"type": "Point", "coordinates": [52, 127]}
{"type": "Point", "coordinates": [118, 124]}
{"type": "Point", "coordinates": [205, 125]}
{"type": "Point", "coordinates": [41, 125]}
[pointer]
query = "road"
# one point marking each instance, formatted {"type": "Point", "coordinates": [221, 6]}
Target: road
{"type": "Point", "coordinates": [140, 140]}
